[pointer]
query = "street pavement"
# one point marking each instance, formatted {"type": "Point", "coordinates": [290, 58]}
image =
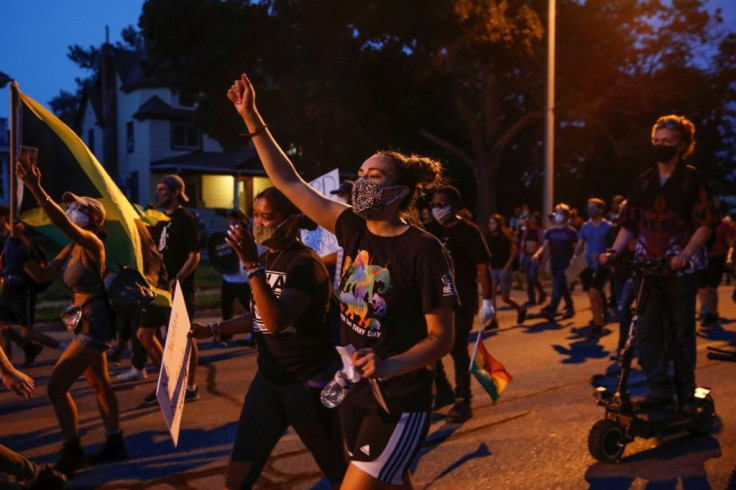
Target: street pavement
{"type": "Point", "coordinates": [534, 437]}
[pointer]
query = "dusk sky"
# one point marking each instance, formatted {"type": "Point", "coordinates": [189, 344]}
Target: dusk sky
{"type": "Point", "coordinates": [36, 34]}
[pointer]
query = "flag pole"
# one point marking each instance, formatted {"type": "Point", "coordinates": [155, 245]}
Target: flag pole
{"type": "Point", "coordinates": [475, 348]}
{"type": "Point", "coordinates": [11, 153]}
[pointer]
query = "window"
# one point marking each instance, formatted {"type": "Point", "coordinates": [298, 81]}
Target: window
{"type": "Point", "coordinates": [91, 140]}
{"type": "Point", "coordinates": [185, 137]}
{"type": "Point", "coordinates": [129, 137]}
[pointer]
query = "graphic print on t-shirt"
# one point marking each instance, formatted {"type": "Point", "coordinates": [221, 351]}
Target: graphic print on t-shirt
{"type": "Point", "coordinates": [362, 287]}
{"type": "Point", "coordinates": [276, 280]}
{"type": "Point", "coordinates": [163, 239]}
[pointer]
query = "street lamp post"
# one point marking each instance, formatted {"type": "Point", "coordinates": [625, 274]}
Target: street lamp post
{"type": "Point", "coordinates": [549, 117]}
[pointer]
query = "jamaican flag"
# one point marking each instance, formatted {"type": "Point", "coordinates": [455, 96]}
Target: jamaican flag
{"type": "Point", "coordinates": [66, 164]}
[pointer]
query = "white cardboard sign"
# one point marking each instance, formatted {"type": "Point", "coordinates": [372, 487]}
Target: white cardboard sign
{"type": "Point", "coordinates": [320, 240]}
{"type": "Point", "coordinates": [172, 380]}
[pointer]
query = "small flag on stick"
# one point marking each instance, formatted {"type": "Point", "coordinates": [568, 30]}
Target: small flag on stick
{"type": "Point", "coordinates": [488, 371]}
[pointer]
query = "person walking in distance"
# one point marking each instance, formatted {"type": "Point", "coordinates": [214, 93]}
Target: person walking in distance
{"type": "Point", "coordinates": [560, 241]}
{"type": "Point", "coordinates": [178, 244]}
{"type": "Point", "coordinates": [592, 237]}
{"type": "Point", "coordinates": [503, 252]}
{"type": "Point", "coordinates": [469, 252]}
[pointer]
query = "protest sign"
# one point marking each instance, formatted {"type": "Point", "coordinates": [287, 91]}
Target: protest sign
{"type": "Point", "coordinates": [172, 380]}
{"type": "Point", "coordinates": [320, 240]}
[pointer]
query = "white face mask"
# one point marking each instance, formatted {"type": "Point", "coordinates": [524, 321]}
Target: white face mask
{"type": "Point", "coordinates": [559, 218]}
{"type": "Point", "coordinates": [443, 214]}
{"type": "Point", "coordinates": [77, 217]}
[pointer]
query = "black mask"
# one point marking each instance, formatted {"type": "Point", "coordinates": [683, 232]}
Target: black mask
{"type": "Point", "coordinates": [663, 153]}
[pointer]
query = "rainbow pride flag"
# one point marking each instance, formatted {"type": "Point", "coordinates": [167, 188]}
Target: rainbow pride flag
{"type": "Point", "coordinates": [488, 371]}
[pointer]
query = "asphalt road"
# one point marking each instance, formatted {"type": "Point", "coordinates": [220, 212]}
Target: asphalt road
{"type": "Point", "coordinates": [534, 437]}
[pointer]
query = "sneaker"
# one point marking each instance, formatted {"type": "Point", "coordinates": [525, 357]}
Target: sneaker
{"type": "Point", "coordinates": [192, 394]}
{"type": "Point", "coordinates": [32, 350]}
{"type": "Point", "coordinates": [595, 332]}
{"type": "Point", "coordinates": [71, 459]}
{"type": "Point", "coordinates": [546, 313]}
{"type": "Point", "coordinates": [113, 450]}
{"type": "Point", "coordinates": [115, 354]}
{"type": "Point", "coordinates": [48, 479]}
{"type": "Point", "coordinates": [529, 303]}
{"type": "Point", "coordinates": [460, 412]}
{"type": "Point", "coordinates": [133, 374]}
{"type": "Point", "coordinates": [569, 313]}
{"type": "Point", "coordinates": [443, 399]}
{"type": "Point", "coordinates": [521, 316]}
{"type": "Point", "coordinates": [151, 397]}
{"type": "Point", "coordinates": [616, 355]}
{"type": "Point", "coordinates": [492, 325]}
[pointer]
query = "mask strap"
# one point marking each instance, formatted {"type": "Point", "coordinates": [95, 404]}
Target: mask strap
{"type": "Point", "coordinates": [395, 198]}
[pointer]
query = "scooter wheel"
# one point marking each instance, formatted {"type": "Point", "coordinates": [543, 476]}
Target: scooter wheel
{"type": "Point", "coordinates": [705, 416]}
{"type": "Point", "coordinates": [604, 439]}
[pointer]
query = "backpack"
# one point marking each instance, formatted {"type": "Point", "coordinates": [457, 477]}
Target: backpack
{"type": "Point", "coordinates": [127, 290]}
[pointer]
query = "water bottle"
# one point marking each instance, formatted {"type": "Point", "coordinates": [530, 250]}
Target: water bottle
{"type": "Point", "coordinates": [337, 389]}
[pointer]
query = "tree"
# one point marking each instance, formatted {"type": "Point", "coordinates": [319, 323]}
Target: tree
{"type": "Point", "coordinates": [462, 80]}
{"type": "Point", "coordinates": [66, 105]}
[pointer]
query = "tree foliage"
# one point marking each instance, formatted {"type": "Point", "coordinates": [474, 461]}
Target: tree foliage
{"type": "Point", "coordinates": [462, 80]}
{"type": "Point", "coordinates": [66, 105]}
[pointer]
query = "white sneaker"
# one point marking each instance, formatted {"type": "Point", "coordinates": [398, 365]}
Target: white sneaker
{"type": "Point", "coordinates": [133, 374]}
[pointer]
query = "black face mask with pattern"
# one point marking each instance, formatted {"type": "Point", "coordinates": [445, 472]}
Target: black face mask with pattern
{"type": "Point", "coordinates": [367, 198]}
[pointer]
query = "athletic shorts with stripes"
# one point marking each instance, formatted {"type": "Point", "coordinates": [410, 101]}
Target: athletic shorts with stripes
{"type": "Point", "coordinates": [380, 444]}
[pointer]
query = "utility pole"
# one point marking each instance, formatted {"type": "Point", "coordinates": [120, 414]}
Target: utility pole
{"type": "Point", "coordinates": [549, 117]}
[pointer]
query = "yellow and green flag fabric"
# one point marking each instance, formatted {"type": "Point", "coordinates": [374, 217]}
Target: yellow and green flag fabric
{"type": "Point", "coordinates": [67, 164]}
{"type": "Point", "coordinates": [489, 372]}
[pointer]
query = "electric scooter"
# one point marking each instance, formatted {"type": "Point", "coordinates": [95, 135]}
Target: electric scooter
{"type": "Point", "coordinates": [729, 356]}
{"type": "Point", "coordinates": [624, 421]}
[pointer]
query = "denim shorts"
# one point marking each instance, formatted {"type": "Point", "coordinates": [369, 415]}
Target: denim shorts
{"type": "Point", "coordinates": [502, 277]}
{"type": "Point", "coordinates": [97, 325]}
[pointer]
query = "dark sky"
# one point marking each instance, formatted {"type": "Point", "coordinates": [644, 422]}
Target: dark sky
{"type": "Point", "coordinates": [36, 34]}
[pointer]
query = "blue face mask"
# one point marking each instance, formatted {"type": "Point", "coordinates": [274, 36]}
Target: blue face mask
{"type": "Point", "coordinates": [77, 217]}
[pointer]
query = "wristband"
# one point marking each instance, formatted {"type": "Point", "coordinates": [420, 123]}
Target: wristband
{"type": "Point", "coordinates": [259, 271]}
{"type": "Point", "coordinates": [255, 133]}
{"type": "Point", "coordinates": [216, 331]}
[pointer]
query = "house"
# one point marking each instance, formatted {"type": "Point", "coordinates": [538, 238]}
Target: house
{"type": "Point", "coordinates": [4, 160]}
{"type": "Point", "coordinates": [141, 130]}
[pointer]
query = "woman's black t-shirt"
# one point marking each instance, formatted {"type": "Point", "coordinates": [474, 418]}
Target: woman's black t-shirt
{"type": "Point", "coordinates": [500, 246]}
{"type": "Point", "coordinates": [303, 350]}
{"type": "Point", "coordinates": [387, 284]}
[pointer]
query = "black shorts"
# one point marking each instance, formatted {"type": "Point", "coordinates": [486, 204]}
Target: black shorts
{"type": "Point", "coordinates": [154, 316]}
{"type": "Point", "coordinates": [18, 308]}
{"type": "Point", "coordinates": [595, 278]}
{"type": "Point", "coordinates": [269, 409]}
{"type": "Point", "coordinates": [380, 444]}
{"type": "Point", "coordinates": [713, 274]}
